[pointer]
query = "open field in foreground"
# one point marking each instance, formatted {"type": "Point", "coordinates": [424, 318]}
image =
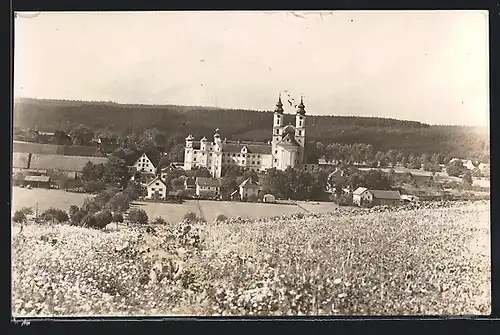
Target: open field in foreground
{"type": "Point", "coordinates": [170, 212]}
{"type": "Point", "coordinates": [417, 262]}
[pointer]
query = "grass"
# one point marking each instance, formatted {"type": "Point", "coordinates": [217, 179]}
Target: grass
{"type": "Point", "coordinates": [170, 212]}
{"type": "Point", "coordinates": [415, 262]}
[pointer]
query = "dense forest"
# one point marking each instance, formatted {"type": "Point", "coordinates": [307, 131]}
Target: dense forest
{"type": "Point", "coordinates": [382, 134]}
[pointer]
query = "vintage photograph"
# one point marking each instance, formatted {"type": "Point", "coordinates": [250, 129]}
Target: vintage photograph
{"type": "Point", "coordinates": [263, 164]}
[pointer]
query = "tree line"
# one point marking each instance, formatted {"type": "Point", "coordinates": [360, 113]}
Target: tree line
{"type": "Point", "coordinates": [382, 134]}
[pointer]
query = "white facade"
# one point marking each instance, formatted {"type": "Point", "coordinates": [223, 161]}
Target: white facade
{"type": "Point", "coordinates": [207, 186]}
{"type": "Point", "coordinates": [156, 189]}
{"type": "Point", "coordinates": [144, 165]}
{"type": "Point", "coordinates": [360, 195]}
{"type": "Point", "coordinates": [286, 148]}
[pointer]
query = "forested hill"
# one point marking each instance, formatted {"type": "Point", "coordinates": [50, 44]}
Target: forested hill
{"type": "Point", "coordinates": [383, 134]}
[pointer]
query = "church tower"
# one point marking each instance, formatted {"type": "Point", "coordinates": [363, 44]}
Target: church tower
{"type": "Point", "coordinates": [277, 130]}
{"type": "Point", "coordinates": [300, 129]}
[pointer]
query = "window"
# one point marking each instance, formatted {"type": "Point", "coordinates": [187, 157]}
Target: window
{"type": "Point", "coordinates": [157, 184]}
{"type": "Point", "coordinates": [258, 156]}
{"type": "Point", "coordinates": [210, 154]}
{"type": "Point", "coordinates": [194, 159]}
{"type": "Point", "coordinates": [275, 151]}
{"type": "Point", "coordinates": [153, 189]}
{"type": "Point", "coordinates": [258, 162]}
{"type": "Point", "coordinates": [277, 131]}
{"type": "Point", "coordinates": [299, 133]}
{"type": "Point", "coordinates": [253, 162]}
{"type": "Point", "coordinates": [150, 170]}
{"type": "Point", "coordinates": [238, 155]}
{"type": "Point", "coordinates": [203, 154]}
{"type": "Point", "coordinates": [275, 160]}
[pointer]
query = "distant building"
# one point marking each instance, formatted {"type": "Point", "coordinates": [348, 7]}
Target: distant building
{"type": "Point", "coordinates": [411, 198]}
{"type": "Point", "coordinates": [363, 196]}
{"type": "Point", "coordinates": [37, 181]}
{"type": "Point", "coordinates": [72, 166]}
{"type": "Point", "coordinates": [156, 189]}
{"type": "Point", "coordinates": [285, 150]}
{"type": "Point", "coordinates": [143, 169]}
{"type": "Point", "coordinates": [469, 164]}
{"type": "Point", "coordinates": [248, 188]}
{"type": "Point", "coordinates": [207, 186]}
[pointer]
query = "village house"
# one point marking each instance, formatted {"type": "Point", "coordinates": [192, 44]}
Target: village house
{"type": "Point", "coordinates": [248, 189]}
{"type": "Point", "coordinates": [156, 189]}
{"type": "Point", "coordinates": [37, 181]}
{"type": "Point", "coordinates": [143, 169]}
{"type": "Point", "coordinates": [207, 186]}
{"type": "Point", "coordinates": [363, 196]}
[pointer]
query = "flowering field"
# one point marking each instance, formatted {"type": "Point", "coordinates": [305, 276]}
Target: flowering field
{"type": "Point", "coordinates": [417, 262]}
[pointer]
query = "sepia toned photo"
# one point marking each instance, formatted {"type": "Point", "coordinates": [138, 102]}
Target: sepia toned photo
{"type": "Point", "coordinates": [261, 164]}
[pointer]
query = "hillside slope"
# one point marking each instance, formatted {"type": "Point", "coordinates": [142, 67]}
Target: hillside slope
{"type": "Point", "coordinates": [383, 134]}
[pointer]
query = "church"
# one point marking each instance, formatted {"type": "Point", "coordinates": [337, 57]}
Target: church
{"type": "Point", "coordinates": [286, 148]}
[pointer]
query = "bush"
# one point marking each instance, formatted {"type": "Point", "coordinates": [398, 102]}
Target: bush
{"type": "Point", "coordinates": [138, 216]}
{"type": "Point", "coordinates": [190, 217]}
{"type": "Point", "coordinates": [91, 206]}
{"type": "Point", "coordinates": [118, 217]}
{"type": "Point", "coordinates": [221, 218]}
{"type": "Point", "coordinates": [76, 215]}
{"type": "Point", "coordinates": [89, 221]}
{"type": "Point", "coordinates": [52, 214]}
{"type": "Point", "coordinates": [94, 186]}
{"type": "Point", "coordinates": [19, 217]}
{"type": "Point", "coordinates": [159, 220]}
{"type": "Point", "coordinates": [119, 202]}
{"type": "Point", "coordinates": [103, 218]}
{"type": "Point", "coordinates": [253, 198]}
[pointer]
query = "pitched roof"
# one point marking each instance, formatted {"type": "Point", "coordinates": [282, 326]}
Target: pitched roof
{"type": "Point", "coordinates": [249, 183]}
{"type": "Point", "coordinates": [154, 180]}
{"type": "Point", "coordinates": [388, 195]}
{"type": "Point", "coordinates": [360, 190]}
{"type": "Point", "coordinates": [255, 148]}
{"type": "Point", "coordinates": [153, 156]}
{"type": "Point", "coordinates": [53, 149]}
{"type": "Point", "coordinates": [20, 160]}
{"type": "Point", "coordinates": [63, 163]}
{"type": "Point", "coordinates": [37, 178]}
{"type": "Point", "coordinates": [202, 181]}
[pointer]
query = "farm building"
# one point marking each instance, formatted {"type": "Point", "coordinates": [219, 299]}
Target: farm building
{"type": "Point", "coordinates": [53, 149]}
{"type": "Point", "coordinates": [156, 189]}
{"type": "Point", "coordinates": [20, 161]}
{"type": "Point", "coordinates": [363, 196]}
{"type": "Point", "coordinates": [411, 198]}
{"type": "Point", "coordinates": [248, 189]}
{"type": "Point", "coordinates": [207, 186]}
{"type": "Point", "coordinates": [72, 166]}
{"type": "Point", "coordinates": [37, 181]}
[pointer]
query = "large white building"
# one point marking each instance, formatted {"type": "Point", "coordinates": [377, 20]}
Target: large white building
{"type": "Point", "coordinates": [286, 148]}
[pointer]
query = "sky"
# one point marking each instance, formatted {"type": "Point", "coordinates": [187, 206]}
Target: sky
{"type": "Point", "coordinates": [429, 66]}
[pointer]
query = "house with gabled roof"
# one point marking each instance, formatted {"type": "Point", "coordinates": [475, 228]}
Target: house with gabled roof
{"type": "Point", "coordinates": [207, 186]}
{"type": "Point", "coordinates": [156, 189]}
{"type": "Point", "coordinates": [144, 167]}
{"type": "Point", "coordinates": [248, 189]}
{"type": "Point", "coordinates": [363, 196]}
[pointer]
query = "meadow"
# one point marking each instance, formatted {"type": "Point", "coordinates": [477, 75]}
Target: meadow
{"type": "Point", "coordinates": [173, 213]}
{"type": "Point", "coordinates": [430, 261]}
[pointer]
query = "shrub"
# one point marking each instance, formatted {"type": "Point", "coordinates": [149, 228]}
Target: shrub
{"type": "Point", "coordinates": [94, 186]}
{"type": "Point", "coordinates": [91, 206]}
{"type": "Point", "coordinates": [252, 198]}
{"type": "Point", "coordinates": [52, 214]}
{"type": "Point", "coordinates": [138, 216]}
{"type": "Point", "coordinates": [159, 220]}
{"type": "Point", "coordinates": [133, 191]}
{"type": "Point", "coordinates": [119, 202]}
{"type": "Point", "coordinates": [103, 218]}
{"type": "Point", "coordinates": [76, 215]}
{"type": "Point", "coordinates": [190, 217]}
{"type": "Point", "coordinates": [221, 218]}
{"type": "Point", "coordinates": [89, 221]}
{"type": "Point", "coordinates": [118, 217]}
{"type": "Point", "coordinates": [19, 217]}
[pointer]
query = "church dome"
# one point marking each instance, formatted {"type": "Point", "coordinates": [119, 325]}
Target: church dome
{"type": "Point", "coordinates": [279, 106]}
{"type": "Point", "coordinates": [190, 138]}
{"type": "Point", "coordinates": [301, 107]}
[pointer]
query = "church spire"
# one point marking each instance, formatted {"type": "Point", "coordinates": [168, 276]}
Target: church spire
{"type": "Point", "coordinates": [279, 106]}
{"type": "Point", "coordinates": [301, 107]}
